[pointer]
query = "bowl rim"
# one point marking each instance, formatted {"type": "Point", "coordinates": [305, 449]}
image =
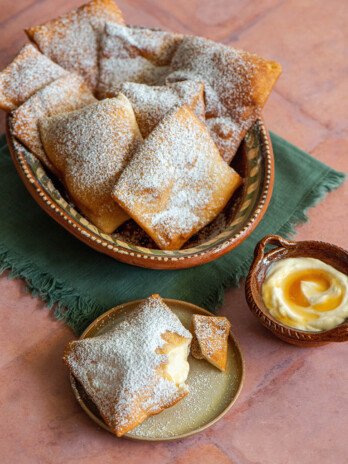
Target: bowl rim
{"type": "Point", "coordinates": [287, 333]}
{"type": "Point", "coordinates": [147, 259]}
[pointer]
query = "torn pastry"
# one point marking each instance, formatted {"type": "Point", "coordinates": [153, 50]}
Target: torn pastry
{"type": "Point", "coordinates": [177, 182]}
{"type": "Point", "coordinates": [29, 72]}
{"type": "Point", "coordinates": [210, 339]}
{"type": "Point", "coordinates": [72, 40]}
{"type": "Point", "coordinates": [236, 85]}
{"type": "Point", "coordinates": [151, 103]}
{"type": "Point", "coordinates": [137, 368]}
{"type": "Point", "coordinates": [65, 94]}
{"type": "Point", "coordinates": [134, 54]}
{"type": "Point", "coordinates": [91, 147]}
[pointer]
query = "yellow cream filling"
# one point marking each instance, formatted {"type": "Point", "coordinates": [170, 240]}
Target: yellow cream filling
{"type": "Point", "coordinates": [306, 293]}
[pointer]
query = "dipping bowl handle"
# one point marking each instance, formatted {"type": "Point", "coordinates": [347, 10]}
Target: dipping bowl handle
{"type": "Point", "coordinates": [276, 240]}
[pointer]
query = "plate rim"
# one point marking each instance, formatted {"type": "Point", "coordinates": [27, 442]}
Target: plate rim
{"type": "Point", "coordinates": [148, 260]}
{"type": "Point", "coordinates": [129, 436]}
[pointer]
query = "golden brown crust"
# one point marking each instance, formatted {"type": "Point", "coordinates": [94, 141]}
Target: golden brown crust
{"type": "Point", "coordinates": [124, 370]}
{"type": "Point", "coordinates": [195, 348]}
{"type": "Point", "coordinates": [91, 147]}
{"type": "Point", "coordinates": [151, 103]}
{"type": "Point", "coordinates": [210, 339]}
{"type": "Point", "coordinates": [237, 84]}
{"type": "Point", "coordinates": [29, 72]}
{"type": "Point", "coordinates": [134, 54]}
{"type": "Point", "coordinates": [65, 94]}
{"type": "Point", "coordinates": [176, 183]}
{"type": "Point", "coordinates": [72, 40]}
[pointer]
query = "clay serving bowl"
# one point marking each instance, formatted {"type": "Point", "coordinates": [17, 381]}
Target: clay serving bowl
{"type": "Point", "coordinates": [330, 254]}
{"type": "Point", "coordinates": [254, 162]}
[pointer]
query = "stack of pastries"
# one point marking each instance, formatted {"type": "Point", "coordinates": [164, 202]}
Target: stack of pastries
{"type": "Point", "coordinates": [135, 123]}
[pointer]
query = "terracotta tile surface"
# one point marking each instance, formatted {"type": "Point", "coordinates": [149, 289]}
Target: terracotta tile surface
{"type": "Point", "coordinates": [309, 39]}
{"type": "Point", "coordinates": [19, 308]}
{"type": "Point", "coordinates": [204, 454]}
{"type": "Point", "coordinates": [289, 121]}
{"type": "Point", "coordinates": [296, 417]}
{"type": "Point", "coordinates": [293, 406]}
{"type": "Point", "coordinates": [215, 19]}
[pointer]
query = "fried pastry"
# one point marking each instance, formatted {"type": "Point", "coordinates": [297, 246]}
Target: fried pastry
{"type": "Point", "coordinates": [151, 103]}
{"type": "Point", "coordinates": [72, 40]}
{"type": "Point", "coordinates": [91, 147]}
{"type": "Point", "coordinates": [236, 84]}
{"type": "Point", "coordinates": [210, 335]}
{"type": "Point", "coordinates": [134, 54]}
{"type": "Point", "coordinates": [176, 182]}
{"type": "Point", "coordinates": [29, 72]}
{"type": "Point", "coordinates": [65, 94]}
{"type": "Point", "coordinates": [136, 369]}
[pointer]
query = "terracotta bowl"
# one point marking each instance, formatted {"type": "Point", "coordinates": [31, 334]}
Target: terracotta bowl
{"type": "Point", "coordinates": [330, 254]}
{"type": "Point", "coordinates": [254, 162]}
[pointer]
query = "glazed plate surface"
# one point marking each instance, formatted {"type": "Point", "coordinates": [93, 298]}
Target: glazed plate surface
{"type": "Point", "coordinates": [254, 162]}
{"type": "Point", "coordinates": [212, 393]}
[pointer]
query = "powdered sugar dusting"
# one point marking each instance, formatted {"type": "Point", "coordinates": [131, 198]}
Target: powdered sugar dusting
{"type": "Point", "coordinates": [67, 93]}
{"type": "Point", "coordinates": [29, 72]}
{"type": "Point", "coordinates": [212, 333]}
{"type": "Point", "coordinates": [210, 393]}
{"type": "Point", "coordinates": [72, 40]}
{"type": "Point", "coordinates": [151, 103]}
{"type": "Point", "coordinates": [91, 147]}
{"type": "Point", "coordinates": [229, 77]}
{"type": "Point", "coordinates": [119, 369]}
{"type": "Point", "coordinates": [176, 182]}
{"type": "Point", "coordinates": [134, 54]}
{"type": "Point", "coordinates": [130, 232]}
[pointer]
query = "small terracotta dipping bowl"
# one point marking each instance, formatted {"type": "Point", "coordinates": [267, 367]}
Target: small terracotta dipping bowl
{"type": "Point", "coordinates": [330, 254]}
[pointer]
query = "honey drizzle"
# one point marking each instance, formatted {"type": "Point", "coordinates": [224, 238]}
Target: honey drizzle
{"type": "Point", "coordinates": [298, 301]}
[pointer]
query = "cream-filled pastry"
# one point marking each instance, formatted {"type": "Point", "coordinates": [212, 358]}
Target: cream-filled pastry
{"type": "Point", "coordinates": [134, 54]}
{"type": "Point", "coordinates": [72, 40]}
{"type": "Point", "coordinates": [65, 94]}
{"type": "Point", "coordinates": [177, 182]}
{"type": "Point", "coordinates": [135, 369]}
{"type": "Point", "coordinates": [236, 85]}
{"type": "Point", "coordinates": [91, 147]}
{"type": "Point", "coordinates": [29, 72]}
{"type": "Point", "coordinates": [210, 335]}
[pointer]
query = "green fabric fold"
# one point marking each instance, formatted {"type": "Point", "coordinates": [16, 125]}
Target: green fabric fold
{"type": "Point", "coordinates": [81, 283]}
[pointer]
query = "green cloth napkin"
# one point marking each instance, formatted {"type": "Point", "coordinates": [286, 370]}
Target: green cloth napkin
{"type": "Point", "coordinates": [83, 283]}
